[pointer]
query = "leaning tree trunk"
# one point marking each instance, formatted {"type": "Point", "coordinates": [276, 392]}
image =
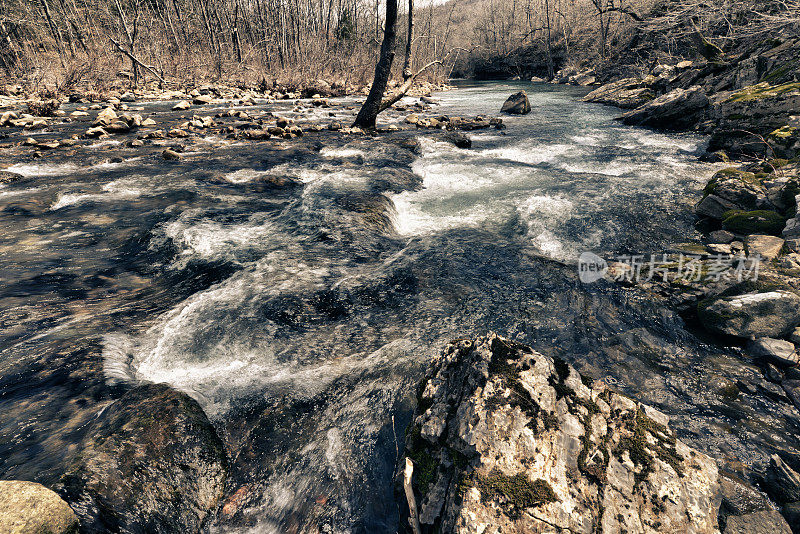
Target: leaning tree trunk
{"type": "Point", "coordinates": [372, 106]}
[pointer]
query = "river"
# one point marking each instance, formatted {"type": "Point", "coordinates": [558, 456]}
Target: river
{"type": "Point", "coordinates": [301, 317]}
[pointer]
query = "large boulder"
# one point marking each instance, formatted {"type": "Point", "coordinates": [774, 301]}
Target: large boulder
{"type": "Point", "coordinates": [627, 93]}
{"type": "Point", "coordinates": [508, 440]}
{"type": "Point", "coordinates": [517, 104]}
{"type": "Point", "coordinates": [769, 314]}
{"type": "Point", "coordinates": [151, 462]}
{"type": "Point", "coordinates": [679, 109]}
{"type": "Point", "coordinates": [28, 507]}
{"type": "Point", "coordinates": [754, 222]}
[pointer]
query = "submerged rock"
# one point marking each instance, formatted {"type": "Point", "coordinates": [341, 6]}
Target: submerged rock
{"type": "Point", "coordinates": [517, 104]}
{"type": "Point", "coordinates": [769, 314]}
{"type": "Point", "coordinates": [28, 507]}
{"type": "Point", "coordinates": [508, 440]}
{"type": "Point", "coordinates": [151, 462]}
{"type": "Point", "coordinates": [8, 177]}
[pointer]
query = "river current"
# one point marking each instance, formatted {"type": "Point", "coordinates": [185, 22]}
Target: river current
{"type": "Point", "coordinates": [301, 318]}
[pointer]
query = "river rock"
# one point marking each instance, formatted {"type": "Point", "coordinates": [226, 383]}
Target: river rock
{"type": "Point", "coordinates": [8, 177]}
{"type": "Point", "coordinates": [767, 246]}
{"type": "Point", "coordinates": [714, 207]}
{"type": "Point", "coordinates": [105, 117]}
{"type": "Point", "coordinates": [202, 99]}
{"type": "Point", "coordinates": [183, 105]}
{"type": "Point", "coordinates": [460, 140]}
{"type": "Point", "coordinates": [508, 440]}
{"type": "Point", "coordinates": [627, 93]}
{"type": "Point", "coordinates": [721, 236]}
{"type": "Point", "coordinates": [517, 104]}
{"type": "Point", "coordinates": [779, 351]}
{"type": "Point", "coordinates": [151, 462]}
{"type": "Point", "coordinates": [171, 155]}
{"type": "Point", "coordinates": [677, 110]}
{"type": "Point", "coordinates": [30, 508]}
{"type": "Point", "coordinates": [769, 314]}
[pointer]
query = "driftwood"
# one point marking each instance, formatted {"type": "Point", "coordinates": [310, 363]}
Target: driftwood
{"type": "Point", "coordinates": [413, 518]}
{"type": "Point", "coordinates": [406, 86]}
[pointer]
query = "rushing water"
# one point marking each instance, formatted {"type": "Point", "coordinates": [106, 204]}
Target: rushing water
{"type": "Point", "coordinates": [302, 317]}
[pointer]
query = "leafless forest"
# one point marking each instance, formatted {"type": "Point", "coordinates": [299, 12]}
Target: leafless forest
{"type": "Point", "coordinates": [63, 43]}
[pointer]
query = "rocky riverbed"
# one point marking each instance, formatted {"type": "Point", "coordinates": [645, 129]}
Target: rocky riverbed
{"type": "Point", "coordinates": [290, 278]}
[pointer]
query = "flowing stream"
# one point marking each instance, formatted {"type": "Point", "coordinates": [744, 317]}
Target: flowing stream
{"type": "Point", "coordinates": [302, 317]}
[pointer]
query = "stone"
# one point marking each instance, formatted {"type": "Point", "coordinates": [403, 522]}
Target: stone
{"type": "Point", "coordinates": [677, 110]}
{"type": "Point", "coordinates": [505, 439]}
{"type": "Point", "coordinates": [767, 246]}
{"type": "Point", "coordinates": [719, 248]}
{"type": "Point", "coordinates": [183, 105]}
{"type": "Point", "coordinates": [714, 207]}
{"type": "Point", "coordinates": [764, 522]}
{"type": "Point", "coordinates": [127, 97]}
{"type": "Point", "coordinates": [30, 508]}
{"type": "Point", "coordinates": [779, 351]}
{"type": "Point", "coordinates": [150, 462]}
{"type": "Point", "coordinates": [721, 236]}
{"type": "Point", "coordinates": [739, 498]}
{"type": "Point", "coordinates": [794, 337]}
{"type": "Point", "coordinates": [105, 117]}
{"type": "Point", "coordinates": [171, 155]}
{"type": "Point", "coordinates": [460, 140]}
{"type": "Point", "coordinates": [517, 104]}
{"type": "Point", "coordinates": [96, 132]}
{"type": "Point", "coordinates": [148, 122]}
{"type": "Point", "coordinates": [202, 99]}
{"type": "Point", "coordinates": [178, 132]}
{"type": "Point", "coordinates": [768, 314]}
{"type": "Point", "coordinates": [118, 127]}
{"type": "Point", "coordinates": [8, 177]}
{"type": "Point", "coordinates": [781, 481]}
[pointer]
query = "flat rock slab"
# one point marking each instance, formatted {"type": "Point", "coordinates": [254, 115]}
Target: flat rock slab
{"type": "Point", "coordinates": [767, 246]}
{"type": "Point", "coordinates": [28, 507]}
{"type": "Point", "coordinates": [778, 351]}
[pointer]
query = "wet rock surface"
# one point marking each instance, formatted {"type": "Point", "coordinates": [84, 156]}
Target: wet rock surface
{"type": "Point", "coordinates": [772, 313]}
{"type": "Point", "coordinates": [151, 462]}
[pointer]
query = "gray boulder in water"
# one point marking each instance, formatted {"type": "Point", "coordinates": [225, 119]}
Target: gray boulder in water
{"type": "Point", "coordinates": [768, 314]}
{"type": "Point", "coordinates": [30, 507]}
{"type": "Point", "coordinates": [627, 93]}
{"type": "Point", "coordinates": [508, 440]}
{"type": "Point", "coordinates": [517, 104]}
{"type": "Point", "coordinates": [151, 462]}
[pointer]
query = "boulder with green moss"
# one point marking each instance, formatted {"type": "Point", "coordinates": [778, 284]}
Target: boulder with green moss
{"type": "Point", "coordinates": [508, 440]}
{"type": "Point", "coordinates": [679, 109]}
{"type": "Point", "coordinates": [733, 189]}
{"type": "Point", "coordinates": [753, 222]}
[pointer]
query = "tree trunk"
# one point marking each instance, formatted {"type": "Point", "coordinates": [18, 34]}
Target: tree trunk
{"type": "Point", "coordinates": [372, 106]}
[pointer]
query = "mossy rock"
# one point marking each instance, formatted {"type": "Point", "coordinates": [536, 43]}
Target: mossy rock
{"type": "Point", "coordinates": [753, 222]}
{"type": "Point", "coordinates": [763, 90]}
{"type": "Point", "coordinates": [730, 174]}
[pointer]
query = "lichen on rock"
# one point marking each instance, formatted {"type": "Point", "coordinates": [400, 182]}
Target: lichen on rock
{"type": "Point", "coordinates": [509, 440]}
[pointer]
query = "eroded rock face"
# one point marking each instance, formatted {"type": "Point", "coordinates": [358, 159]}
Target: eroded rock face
{"type": "Point", "coordinates": [28, 507]}
{"type": "Point", "coordinates": [152, 462]}
{"type": "Point", "coordinates": [508, 440]}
